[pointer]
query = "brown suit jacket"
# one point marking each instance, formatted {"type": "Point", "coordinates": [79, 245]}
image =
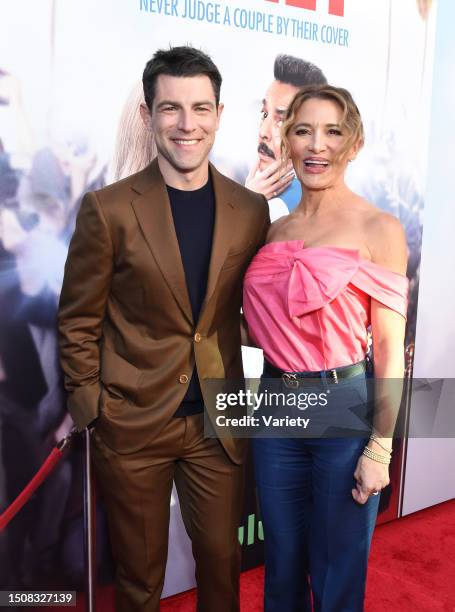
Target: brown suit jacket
{"type": "Point", "coordinates": [128, 342]}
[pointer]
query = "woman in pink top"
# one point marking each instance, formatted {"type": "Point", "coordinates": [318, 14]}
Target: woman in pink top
{"type": "Point", "coordinates": [330, 271]}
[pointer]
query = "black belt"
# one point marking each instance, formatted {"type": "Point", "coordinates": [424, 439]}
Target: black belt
{"type": "Point", "coordinates": [295, 379]}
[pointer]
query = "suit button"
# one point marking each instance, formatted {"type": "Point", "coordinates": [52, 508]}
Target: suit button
{"type": "Point", "coordinates": [183, 378]}
{"type": "Point", "coordinates": [197, 337]}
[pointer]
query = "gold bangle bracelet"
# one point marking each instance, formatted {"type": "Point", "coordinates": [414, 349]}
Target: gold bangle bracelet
{"type": "Point", "coordinates": [376, 456]}
{"type": "Point", "coordinates": [375, 438]}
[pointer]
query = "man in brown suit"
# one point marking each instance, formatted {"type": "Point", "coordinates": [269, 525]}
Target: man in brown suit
{"type": "Point", "coordinates": [150, 308]}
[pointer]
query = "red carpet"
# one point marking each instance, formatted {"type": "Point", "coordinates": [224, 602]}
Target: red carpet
{"type": "Point", "coordinates": [412, 569]}
{"type": "Point", "coordinates": [412, 565]}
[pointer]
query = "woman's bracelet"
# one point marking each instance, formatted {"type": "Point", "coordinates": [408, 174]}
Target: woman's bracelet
{"type": "Point", "coordinates": [376, 456]}
{"type": "Point", "coordinates": [375, 438]}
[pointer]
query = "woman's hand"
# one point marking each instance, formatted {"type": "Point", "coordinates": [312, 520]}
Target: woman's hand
{"type": "Point", "coordinates": [371, 476]}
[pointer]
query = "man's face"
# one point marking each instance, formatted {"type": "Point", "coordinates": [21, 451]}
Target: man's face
{"type": "Point", "coordinates": [184, 120]}
{"type": "Point", "coordinates": [274, 106]}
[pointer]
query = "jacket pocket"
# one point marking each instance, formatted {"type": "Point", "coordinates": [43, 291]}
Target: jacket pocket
{"type": "Point", "coordinates": [119, 377]}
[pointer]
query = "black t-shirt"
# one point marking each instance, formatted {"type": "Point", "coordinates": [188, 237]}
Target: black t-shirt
{"type": "Point", "coordinates": [194, 219]}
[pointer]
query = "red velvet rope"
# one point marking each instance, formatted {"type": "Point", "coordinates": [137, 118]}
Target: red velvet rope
{"type": "Point", "coordinates": [32, 486]}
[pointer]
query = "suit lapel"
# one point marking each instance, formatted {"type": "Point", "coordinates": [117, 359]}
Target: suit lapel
{"type": "Point", "coordinates": [225, 215]}
{"type": "Point", "coordinates": [153, 212]}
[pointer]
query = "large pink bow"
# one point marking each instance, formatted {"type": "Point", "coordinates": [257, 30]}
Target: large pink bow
{"type": "Point", "coordinates": [318, 276]}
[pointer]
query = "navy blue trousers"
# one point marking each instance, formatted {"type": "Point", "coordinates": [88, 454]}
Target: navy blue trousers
{"type": "Point", "coordinates": [317, 538]}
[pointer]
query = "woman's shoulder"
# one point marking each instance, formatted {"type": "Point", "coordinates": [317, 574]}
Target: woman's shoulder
{"type": "Point", "coordinates": [386, 240]}
{"type": "Point", "coordinates": [378, 225]}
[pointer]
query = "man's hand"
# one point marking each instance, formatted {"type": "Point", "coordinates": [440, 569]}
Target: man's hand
{"type": "Point", "coordinates": [371, 476]}
{"type": "Point", "coordinates": [271, 181]}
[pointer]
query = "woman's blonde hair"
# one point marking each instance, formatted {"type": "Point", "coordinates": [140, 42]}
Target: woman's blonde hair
{"type": "Point", "coordinates": [135, 144]}
{"type": "Point", "coordinates": [351, 120]}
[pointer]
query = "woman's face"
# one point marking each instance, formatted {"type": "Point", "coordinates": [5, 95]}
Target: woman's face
{"type": "Point", "coordinates": [315, 141]}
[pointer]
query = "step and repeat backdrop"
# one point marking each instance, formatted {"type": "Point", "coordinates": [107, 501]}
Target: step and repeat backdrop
{"type": "Point", "coordinates": [70, 90]}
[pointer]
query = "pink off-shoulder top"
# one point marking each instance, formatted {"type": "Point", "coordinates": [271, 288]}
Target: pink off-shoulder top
{"type": "Point", "coordinates": [309, 308]}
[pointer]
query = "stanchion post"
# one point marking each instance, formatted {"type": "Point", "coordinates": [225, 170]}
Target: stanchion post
{"type": "Point", "coordinates": [408, 375]}
{"type": "Point", "coordinates": [89, 515]}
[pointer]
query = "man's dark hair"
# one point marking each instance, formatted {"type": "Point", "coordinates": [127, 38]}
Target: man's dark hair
{"type": "Point", "coordinates": [179, 62]}
{"type": "Point", "coordinates": [297, 72]}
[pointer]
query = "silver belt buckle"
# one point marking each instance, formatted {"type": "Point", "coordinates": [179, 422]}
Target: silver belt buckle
{"type": "Point", "coordinates": [290, 380]}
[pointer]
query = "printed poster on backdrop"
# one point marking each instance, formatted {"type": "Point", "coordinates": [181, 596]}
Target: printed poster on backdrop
{"type": "Point", "coordinates": [69, 91]}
